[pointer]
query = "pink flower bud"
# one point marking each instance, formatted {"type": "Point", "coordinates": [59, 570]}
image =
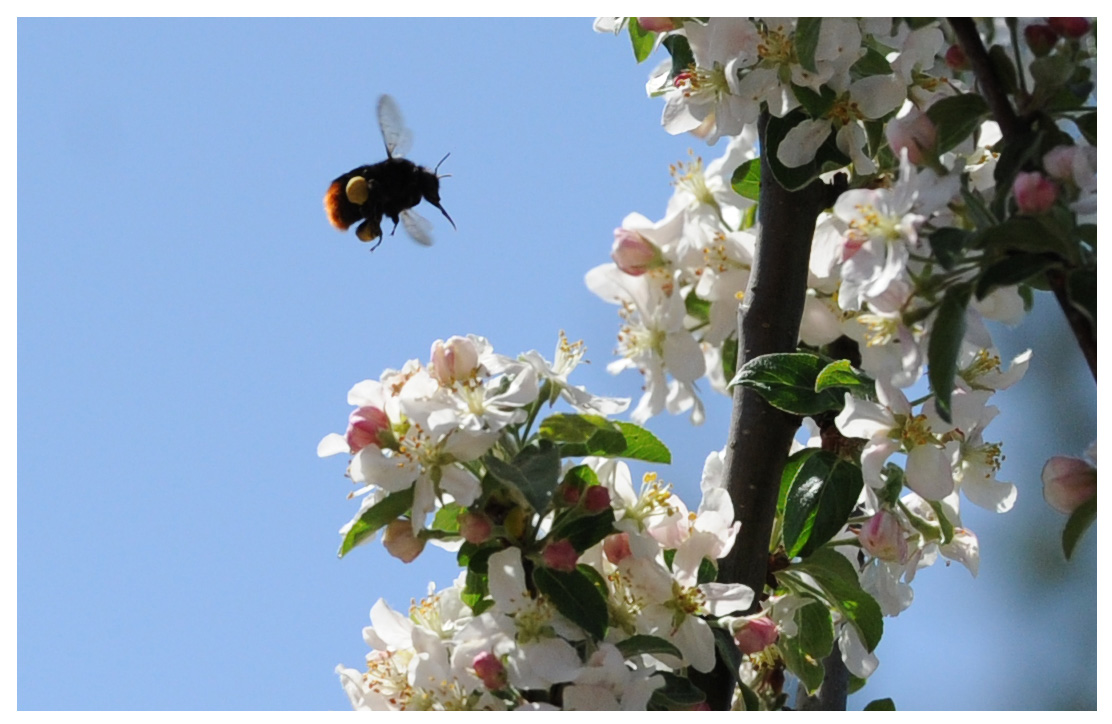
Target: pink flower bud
{"type": "Point", "coordinates": [616, 548]}
{"type": "Point", "coordinates": [1034, 193]}
{"type": "Point", "coordinates": [597, 499]}
{"type": "Point", "coordinates": [400, 541]}
{"type": "Point", "coordinates": [490, 670]}
{"type": "Point", "coordinates": [560, 556]}
{"type": "Point", "coordinates": [955, 58]}
{"type": "Point", "coordinates": [1068, 482]}
{"type": "Point", "coordinates": [883, 538]}
{"type": "Point", "coordinates": [1069, 27]}
{"type": "Point", "coordinates": [570, 494]}
{"type": "Point", "coordinates": [915, 132]}
{"type": "Point", "coordinates": [756, 635]}
{"type": "Point", "coordinates": [656, 25]}
{"type": "Point", "coordinates": [456, 359]}
{"type": "Point", "coordinates": [1041, 39]}
{"type": "Point", "coordinates": [633, 253]}
{"type": "Point", "coordinates": [475, 527]}
{"type": "Point", "coordinates": [366, 426]}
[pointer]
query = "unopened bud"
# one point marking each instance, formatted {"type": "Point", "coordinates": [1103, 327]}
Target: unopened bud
{"type": "Point", "coordinates": [400, 541]}
{"type": "Point", "coordinates": [882, 537]}
{"type": "Point", "coordinates": [490, 670]}
{"type": "Point", "coordinates": [616, 548]}
{"type": "Point", "coordinates": [955, 58]}
{"type": "Point", "coordinates": [1069, 27]}
{"type": "Point", "coordinates": [1068, 482]}
{"type": "Point", "coordinates": [560, 556]}
{"type": "Point", "coordinates": [756, 635]}
{"type": "Point", "coordinates": [367, 425]}
{"type": "Point", "coordinates": [456, 359]}
{"type": "Point", "coordinates": [475, 527]}
{"type": "Point", "coordinates": [915, 133]}
{"type": "Point", "coordinates": [570, 494]}
{"type": "Point", "coordinates": [656, 25]}
{"type": "Point", "coordinates": [597, 499]}
{"type": "Point", "coordinates": [1034, 193]}
{"type": "Point", "coordinates": [633, 253]}
{"type": "Point", "coordinates": [1041, 39]}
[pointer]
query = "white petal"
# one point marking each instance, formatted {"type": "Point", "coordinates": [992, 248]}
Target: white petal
{"type": "Point", "coordinates": [928, 472]}
{"type": "Point", "coordinates": [332, 444]}
{"type": "Point", "coordinates": [802, 142]}
{"type": "Point", "coordinates": [727, 598]}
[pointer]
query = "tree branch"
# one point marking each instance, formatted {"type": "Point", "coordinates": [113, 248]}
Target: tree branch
{"type": "Point", "coordinates": [768, 321]}
{"type": "Point", "coordinates": [1014, 129]}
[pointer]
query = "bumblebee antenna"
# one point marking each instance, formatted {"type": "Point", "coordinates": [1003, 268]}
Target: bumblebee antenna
{"type": "Point", "coordinates": [447, 175]}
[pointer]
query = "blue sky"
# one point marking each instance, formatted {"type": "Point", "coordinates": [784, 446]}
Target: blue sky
{"type": "Point", "coordinates": [189, 325]}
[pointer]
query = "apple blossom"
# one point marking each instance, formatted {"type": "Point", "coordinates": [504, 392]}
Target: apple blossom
{"type": "Point", "coordinates": [1068, 483]}
{"type": "Point", "coordinates": [1034, 193]}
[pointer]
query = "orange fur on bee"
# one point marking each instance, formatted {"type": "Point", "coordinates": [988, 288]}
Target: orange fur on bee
{"type": "Point", "coordinates": [341, 212]}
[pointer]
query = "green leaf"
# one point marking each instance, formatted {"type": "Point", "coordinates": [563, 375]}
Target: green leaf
{"type": "Point", "coordinates": [746, 180]}
{"type": "Point", "coordinates": [574, 596]}
{"type": "Point", "coordinates": [378, 515]}
{"type": "Point", "coordinates": [806, 41]}
{"type": "Point", "coordinates": [729, 357]}
{"type": "Point", "coordinates": [1024, 234]}
{"type": "Point", "coordinates": [885, 704]}
{"type": "Point", "coordinates": [644, 644]}
{"type": "Point", "coordinates": [806, 667]}
{"type": "Point", "coordinates": [1004, 68]}
{"type": "Point", "coordinates": [944, 346]}
{"type": "Point", "coordinates": [1087, 125]}
{"type": "Point", "coordinates": [788, 476]}
{"type": "Point", "coordinates": [583, 531]}
{"type": "Point", "coordinates": [474, 591]}
{"type": "Point", "coordinates": [1012, 270]}
{"type": "Point", "coordinates": [816, 103]}
{"type": "Point", "coordinates": [643, 40]}
{"type": "Point", "coordinates": [823, 493]}
{"type": "Point", "coordinates": [680, 50]}
{"type": "Point", "coordinates": [1051, 71]}
{"type": "Point", "coordinates": [697, 307]}
{"type": "Point", "coordinates": [677, 694]}
{"type": "Point", "coordinates": [838, 580]}
{"type": "Point", "coordinates": [534, 472]}
{"type": "Point", "coordinates": [956, 117]}
{"type": "Point", "coordinates": [447, 518]}
{"type": "Point", "coordinates": [749, 698]}
{"type": "Point", "coordinates": [642, 445]}
{"type": "Point", "coordinates": [841, 374]}
{"type": "Point", "coordinates": [944, 523]}
{"type": "Point", "coordinates": [871, 63]}
{"type": "Point", "coordinates": [707, 572]}
{"type": "Point", "coordinates": [947, 245]}
{"type": "Point", "coordinates": [580, 477]}
{"type": "Point", "coordinates": [816, 630]}
{"type": "Point", "coordinates": [595, 435]}
{"type": "Point", "coordinates": [1081, 286]}
{"type": "Point", "coordinates": [595, 578]}
{"type": "Point", "coordinates": [1078, 523]}
{"type": "Point", "coordinates": [787, 382]}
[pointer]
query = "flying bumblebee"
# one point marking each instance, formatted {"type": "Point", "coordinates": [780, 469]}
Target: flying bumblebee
{"type": "Point", "coordinates": [389, 188]}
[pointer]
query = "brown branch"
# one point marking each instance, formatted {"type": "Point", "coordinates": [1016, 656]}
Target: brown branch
{"type": "Point", "coordinates": [768, 321]}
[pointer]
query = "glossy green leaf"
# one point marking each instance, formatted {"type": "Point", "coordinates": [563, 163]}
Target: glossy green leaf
{"type": "Point", "coordinates": [582, 435]}
{"type": "Point", "coordinates": [885, 704]}
{"type": "Point", "coordinates": [1078, 523]}
{"type": "Point", "coordinates": [1004, 68]}
{"type": "Point", "coordinates": [807, 668]}
{"type": "Point", "coordinates": [838, 580]}
{"type": "Point", "coordinates": [680, 50]}
{"type": "Point", "coordinates": [575, 597]}
{"type": "Point", "coordinates": [956, 117]}
{"type": "Point", "coordinates": [807, 32]}
{"type": "Point", "coordinates": [1087, 126]}
{"type": "Point", "coordinates": [821, 496]}
{"type": "Point", "coordinates": [841, 374]}
{"type": "Point", "coordinates": [377, 516]}
{"type": "Point", "coordinates": [677, 694]}
{"type": "Point", "coordinates": [944, 346]}
{"type": "Point", "coordinates": [642, 40]}
{"type": "Point", "coordinates": [787, 382]}
{"type": "Point", "coordinates": [583, 531]}
{"type": "Point", "coordinates": [447, 518]}
{"type": "Point", "coordinates": [644, 644]}
{"type": "Point", "coordinates": [816, 630]}
{"type": "Point", "coordinates": [871, 63]}
{"type": "Point", "coordinates": [1012, 270]}
{"type": "Point", "coordinates": [947, 245]}
{"type": "Point", "coordinates": [729, 358]}
{"type": "Point", "coordinates": [746, 180]}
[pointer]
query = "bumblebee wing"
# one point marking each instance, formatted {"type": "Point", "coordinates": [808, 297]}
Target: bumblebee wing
{"type": "Point", "coordinates": [418, 227]}
{"type": "Point", "coordinates": [395, 134]}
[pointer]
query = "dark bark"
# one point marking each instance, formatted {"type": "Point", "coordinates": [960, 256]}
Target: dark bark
{"type": "Point", "coordinates": [768, 321]}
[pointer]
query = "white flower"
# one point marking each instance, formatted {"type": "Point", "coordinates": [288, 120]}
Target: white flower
{"type": "Point", "coordinates": [567, 359]}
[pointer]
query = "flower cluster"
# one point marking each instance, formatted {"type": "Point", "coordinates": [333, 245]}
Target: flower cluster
{"type": "Point", "coordinates": [934, 233]}
{"type": "Point", "coordinates": [580, 591]}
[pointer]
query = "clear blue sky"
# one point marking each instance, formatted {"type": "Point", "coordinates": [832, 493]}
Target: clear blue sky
{"type": "Point", "coordinates": [189, 326]}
